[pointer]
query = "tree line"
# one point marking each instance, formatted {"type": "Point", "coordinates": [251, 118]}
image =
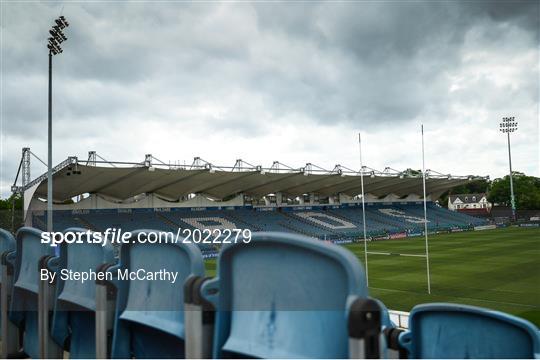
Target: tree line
{"type": "Point", "coordinates": [526, 191]}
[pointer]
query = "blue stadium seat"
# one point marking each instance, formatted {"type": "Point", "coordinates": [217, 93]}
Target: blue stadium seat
{"type": "Point", "coordinates": [284, 296]}
{"type": "Point", "coordinates": [73, 325]}
{"type": "Point", "coordinates": [150, 314]}
{"type": "Point", "coordinates": [326, 222]}
{"type": "Point", "coordinates": [24, 304]}
{"type": "Point", "coordinates": [7, 243]}
{"type": "Point", "coordinates": [442, 330]}
{"type": "Point", "coordinates": [10, 343]}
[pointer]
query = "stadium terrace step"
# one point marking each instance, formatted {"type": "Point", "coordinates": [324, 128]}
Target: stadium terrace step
{"type": "Point", "coordinates": [87, 225]}
{"type": "Point", "coordinates": [340, 216]}
{"type": "Point", "coordinates": [295, 230]}
{"type": "Point", "coordinates": [167, 220]}
{"type": "Point", "coordinates": [310, 225]}
{"type": "Point", "coordinates": [39, 223]}
{"type": "Point", "coordinates": [242, 223]}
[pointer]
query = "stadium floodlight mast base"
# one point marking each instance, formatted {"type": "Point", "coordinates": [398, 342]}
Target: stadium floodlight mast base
{"type": "Point", "coordinates": [363, 208]}
{"type": "Point", "coordinates": [57, 37]}
{"type": "Point", "coordinates": [509, 125]}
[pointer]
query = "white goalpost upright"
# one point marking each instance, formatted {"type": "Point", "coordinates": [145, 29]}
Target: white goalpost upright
{"type": "Point", "coordinates": [425, 212]}
{"type": "Point", "coordinates": [426, 255]}
{"type": "Point", "coordinates": [363, 208]}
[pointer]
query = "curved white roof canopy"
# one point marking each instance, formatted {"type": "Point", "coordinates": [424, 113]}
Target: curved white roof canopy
{"type": "Point", "coordinates": [72, 178]}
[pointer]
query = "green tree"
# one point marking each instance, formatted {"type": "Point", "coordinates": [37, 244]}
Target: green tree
{"type": "Point", "coordinates": [526, 191]}
{"type": "Point", "coordinates": [6, 211]}
{"type": "Point", "coordinates": [6, 204]}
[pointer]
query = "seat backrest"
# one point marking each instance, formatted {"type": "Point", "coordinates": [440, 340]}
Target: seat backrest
{"type": "Point", "coordinates": [29, 251]}
{"type": "Point", "coordinates": [441, 330]}
{"type": "Point", "coordinates": [283, 295]}
{"type": "Point", "coordinates": [79, 258]}
{"type": "Point", "coordinates": [7, 243]}
{"type": "Point", "coordinates": [24, 302]}
{"type": "Point", "coordinates": [150, 311]}
{"type": "Point", "coordinates": [74, 311]}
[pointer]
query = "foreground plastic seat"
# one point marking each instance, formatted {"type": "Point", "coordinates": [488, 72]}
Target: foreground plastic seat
{"type": "Point", "coordinates": [150, 313]}
{"type": "Point", "coordinates": [7, 241]}
{"type": "Point", "coordinates": [25, 303]}
{"type": "Point", "coordinates": [9, 333]}
{"type": "Point", "coordinates": [284, 296]}
{"type": "Point", "coordinates": [442, 330]}
{"type": "Point", "coordinates": [73, 325]}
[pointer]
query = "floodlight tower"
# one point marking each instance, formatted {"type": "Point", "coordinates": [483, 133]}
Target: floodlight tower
{"type": "Point", "coordinates": [57, 37]}
{"type": "Point", "coordinates": [509, 125]}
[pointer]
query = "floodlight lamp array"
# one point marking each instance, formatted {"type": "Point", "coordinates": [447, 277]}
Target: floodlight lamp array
{"type": "Point", "coordinates": [57, 36]}
{"type": "Point", "coordinates": [508, 125]}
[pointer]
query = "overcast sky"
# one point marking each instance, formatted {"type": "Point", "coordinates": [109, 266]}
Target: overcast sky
{"type": "Point", "coordinates": [293, 82]}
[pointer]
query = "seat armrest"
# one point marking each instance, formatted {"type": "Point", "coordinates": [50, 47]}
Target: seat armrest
{"type": "Point", "coordinates": [8, 258]}
{"type": "Point", "coordinates": [392, 340]}
{"type": "Point", "coordinates": [364, 325]}
{"type": "Point", "coordinates": [405, 340]}
{"type": "Point", "coordinates": [53, 263]}
{"type": "Point", "coordinates": [210, 291]}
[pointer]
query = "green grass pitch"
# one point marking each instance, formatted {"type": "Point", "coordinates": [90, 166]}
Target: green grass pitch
{"type": "Point", "coordinates": [497, 269]}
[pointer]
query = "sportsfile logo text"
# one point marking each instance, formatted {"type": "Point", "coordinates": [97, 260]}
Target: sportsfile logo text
{"type": "Point", "coordinates": [118, 237]}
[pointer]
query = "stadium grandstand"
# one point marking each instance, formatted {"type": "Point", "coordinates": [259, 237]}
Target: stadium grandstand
{"type": "Point", "coordinates": [311, 201]}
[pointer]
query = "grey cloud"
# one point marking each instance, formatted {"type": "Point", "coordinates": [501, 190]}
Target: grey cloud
{"type": "Point", "coordinates": [523, 13]}
{"type": "Point", "coordinates": [241, 67]}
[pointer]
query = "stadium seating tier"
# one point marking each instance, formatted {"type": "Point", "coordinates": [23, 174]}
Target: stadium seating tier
{"type": "Point", "coordinates": [332, 223]}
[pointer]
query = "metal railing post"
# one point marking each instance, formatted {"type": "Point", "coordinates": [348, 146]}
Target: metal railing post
{"type": "Point", "coordinates": [46, 293]}
{"type": "Point", "coordinates": [198, 320]}
{"type": "Point", "coordinates": [105, 308]}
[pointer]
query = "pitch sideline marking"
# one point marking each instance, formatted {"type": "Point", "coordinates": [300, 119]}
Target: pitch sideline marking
{"type": "Point", "coordinates": [464, 298]}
